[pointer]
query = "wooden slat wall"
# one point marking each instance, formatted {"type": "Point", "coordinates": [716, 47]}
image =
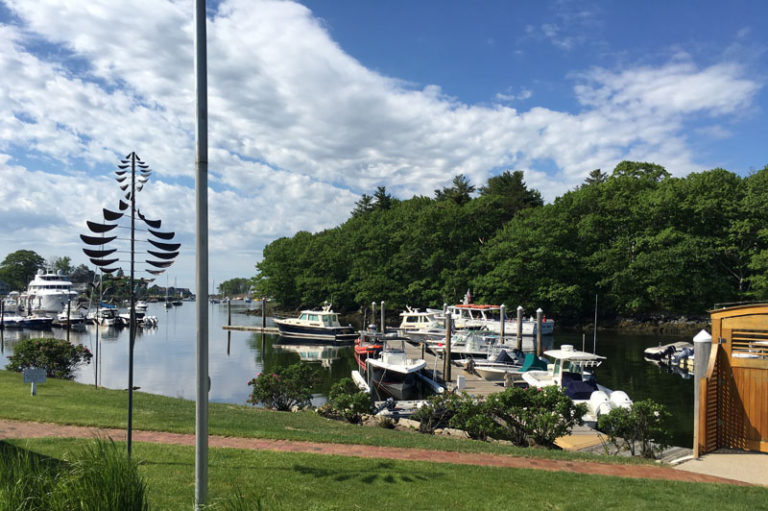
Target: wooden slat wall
{"type": "Point", "coordinates": [733, 400]}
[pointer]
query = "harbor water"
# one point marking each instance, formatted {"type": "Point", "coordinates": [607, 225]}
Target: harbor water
{"type": "Point", "coordinates": [164, 360]}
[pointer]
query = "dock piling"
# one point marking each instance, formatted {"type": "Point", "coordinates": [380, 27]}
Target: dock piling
{"type": "Point", "coordinates": [519, 327]}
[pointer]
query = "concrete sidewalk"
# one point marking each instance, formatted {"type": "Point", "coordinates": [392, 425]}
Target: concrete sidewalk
{"type": "Point", "coordinates": [748, 467]}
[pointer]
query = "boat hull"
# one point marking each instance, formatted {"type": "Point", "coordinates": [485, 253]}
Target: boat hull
{"type": "Point", "coordinates": [336, 334]}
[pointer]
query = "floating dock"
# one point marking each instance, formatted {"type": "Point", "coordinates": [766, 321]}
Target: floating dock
{"type": "Point", "coordinates": [252, 328]}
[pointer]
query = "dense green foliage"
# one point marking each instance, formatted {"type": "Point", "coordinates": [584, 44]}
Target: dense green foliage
{"type": "Point", "coordinates": [642, 240]}
{"type": "Point", "coordinates": [18, 268]}
{"type": "Point", "coordinates": [99, 476]}
{"type": "Point", "coordinates": [642, 427]}
{"type": "Point", "coordinates": [232, 287]}
{"type": "Point", "coordinates": [520, 415]}
{"type": "Point", "coordinates": [285, 389]}
{"type": "Point", "coordinates": [345, 400]}
{"type": "Point", "coordinates": [58, 357]}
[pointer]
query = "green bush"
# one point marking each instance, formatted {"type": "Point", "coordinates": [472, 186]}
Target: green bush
{"type": "Point", "coordinates": [58, 357]}
{"type": "Point", "coordinates": [535, 416]}
{"type": "Point", "coordinates": [285, 389]}
{"type": "Point", "coordinates": [348, 401]}
{"type": "Point", "coordinates": [471, 415]}
{"type": "Point", "coordinates": [642, 426]}
{"type": "Point", "coordinates": [436, 412]}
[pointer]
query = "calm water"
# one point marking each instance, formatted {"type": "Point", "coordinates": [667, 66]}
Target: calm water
{"type": "Point", "coordinates": [164, 360]}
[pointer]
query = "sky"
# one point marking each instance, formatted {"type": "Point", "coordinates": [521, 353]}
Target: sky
{"type": "Point", "coordinates": [314, 103]}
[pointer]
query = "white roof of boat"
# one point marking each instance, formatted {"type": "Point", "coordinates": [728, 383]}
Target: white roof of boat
{"type": "Point", "coordinates": [566, 352]}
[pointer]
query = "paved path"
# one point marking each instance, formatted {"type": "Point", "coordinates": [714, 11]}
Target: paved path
{"type": "Point", "coordinates": [16, 429]}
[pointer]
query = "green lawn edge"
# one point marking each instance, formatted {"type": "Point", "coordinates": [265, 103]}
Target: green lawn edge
{"type": "Point", "coordinates": [71, 403]}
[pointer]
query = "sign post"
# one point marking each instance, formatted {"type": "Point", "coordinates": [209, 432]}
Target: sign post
{"type": "Point", "coordinates": [34, 375]}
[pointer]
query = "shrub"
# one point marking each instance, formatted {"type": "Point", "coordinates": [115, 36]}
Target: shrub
{"type": "Point", "coordinates": [348, 401]}
{"type": "Point", "coordinates": [535, 416]}
{"type": "Point", "coordinates": [58, 357]}
{"type": "Point", "coordinates": [436, 412]}
{"type": "Point", "coordinates": [641, 426]}
{"type": "Point", "coordinates": [471, 415]}
{"type": "Point", "coordinates": [287, 388]}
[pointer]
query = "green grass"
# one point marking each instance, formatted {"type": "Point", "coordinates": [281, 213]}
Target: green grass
{"type": "Point", "coordinates": [66, 402]}
{"type": "Point", "coordinates": [291, 481]}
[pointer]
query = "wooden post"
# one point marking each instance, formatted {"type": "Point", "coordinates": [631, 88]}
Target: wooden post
{"type": "Point", "coordinates": [539, 314]}
{"type": "Point", "coordinates": [520, 328]}
{"type": "Point", "coordinates": [702, 345]}
{"type": "Point", "coordinates": [502, 320]}
{"type": "Point", "coordinates": [263, 313]}
{"type": "Point", "coordinates": [383, 322]}
{"type": "Point", "coordinates": [373, 314]}
{"type": "Point", "coordinates": [69, 317]}
{"type": "Point", "coordinates": [229, 312]}
{"type": "Point", "coordinates": [447, 350]}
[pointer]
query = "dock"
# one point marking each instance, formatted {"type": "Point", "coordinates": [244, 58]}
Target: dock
{"type": "Point", "coordinates": [472, 383]}
{"type": "Point", "coordinates": [252, 328]}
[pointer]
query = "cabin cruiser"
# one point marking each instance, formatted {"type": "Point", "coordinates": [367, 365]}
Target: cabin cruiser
{"type": "Point", "coordinates": [313, 324]}
{"type": "Point", "coordinates": [392, 372]}
{"type": "Point", "coordinates": [48, 292]}
{"type": "Point", "coordinates": [476, 316]}
{"type": "Point", "coordinates": [573, 371]}
{"type": "Point", "coordinates": [414, 320]}
{"type": "Point", "coordinates": [12, 302]}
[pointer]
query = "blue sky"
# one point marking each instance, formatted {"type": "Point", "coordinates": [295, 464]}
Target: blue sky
{"type": "Point", "coordinates": [314, 103]}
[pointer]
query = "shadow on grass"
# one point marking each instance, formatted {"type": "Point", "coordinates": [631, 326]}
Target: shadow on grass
{"type": "Point", "coordinates": [383, 471]}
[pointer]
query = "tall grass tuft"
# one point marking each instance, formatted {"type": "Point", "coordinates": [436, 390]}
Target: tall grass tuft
{"type": "Point", "coordinates": [101, 477]}
{"type": "Point", "coordinates": [98, 478]}
{"type": "Point", "coordinates": [236, 502]}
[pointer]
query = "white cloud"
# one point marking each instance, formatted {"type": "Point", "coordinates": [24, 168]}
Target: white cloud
{"type": "Point", "coordinates": [298, 128]}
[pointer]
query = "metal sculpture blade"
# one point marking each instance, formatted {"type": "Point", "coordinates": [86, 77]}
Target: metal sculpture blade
{"type": "Point", "coordinates": [100, 240]}
{"type": "Point", "coordinates": [103, 262]}
{"type": "Point", "coordinates": [159, 264]}
{"type": "Point", "coordinates": [99, 253]}
{"type": "Point", "coordinates": [111, 215]}
{"type": "Point", "coordinates": [162, 235]}
{"type": "Point", "coordinates": [163, 255]}
{"type": "Point", "coordinates": [155, 272]}
{"type": "Point", "coordinates": [123, 205]}
{"type": "Point", "coordinates": [99, 228]}
{"type": "Point", "coordinates": [169, 247]}
{"type": "Point", "coordinates": [109, 270]}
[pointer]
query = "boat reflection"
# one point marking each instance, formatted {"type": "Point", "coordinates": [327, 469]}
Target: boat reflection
{"type": "Point", "coordinates": [324, 354]}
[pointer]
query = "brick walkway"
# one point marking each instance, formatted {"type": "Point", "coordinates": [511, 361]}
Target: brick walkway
{"type": "Point", "coordinates": [16, 429]}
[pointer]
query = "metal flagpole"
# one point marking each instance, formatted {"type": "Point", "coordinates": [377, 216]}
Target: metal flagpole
{"type": "Point", "coordinates": [201, 255]}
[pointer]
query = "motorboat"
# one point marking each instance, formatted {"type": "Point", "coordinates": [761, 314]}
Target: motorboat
{"type": "Point", "coordinates": [666, 351]}
{"type": "Point", "coordinates": [48, 292]}
{"type": "Point", "coordinates": [392, 372]}
{"type": "Point", "coordinates": [477, 316]}
{"type": "Point", "coordinates": [12, 302]}
{"type": "Point", "coordinates": [368, 345]}
{"type": "Point", "coordinates": [12, 321]}
{"type": "Point", "coordinates": [37, 322]}
{"type": "Point", "coordinates": [468, 344]}
{"type": "Point", "coordinates": [573, 371]}
{"type": "Point", "coordinates": [418, 320]}
{"type": "Point", "coordinates": [316, 324]}
{"type": "Point", "coordinates": [72, 319]}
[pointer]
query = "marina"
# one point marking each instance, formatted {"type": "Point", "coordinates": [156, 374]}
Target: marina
{"type": "Point", "coordinates": [165, 359]}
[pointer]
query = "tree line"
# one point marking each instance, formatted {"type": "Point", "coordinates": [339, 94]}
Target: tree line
{"type": "Point", "coordinates": [644, 241]}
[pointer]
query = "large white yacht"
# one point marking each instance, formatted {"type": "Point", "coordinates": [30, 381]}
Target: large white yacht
{"type": "Point", "coordinates": [48, 292]}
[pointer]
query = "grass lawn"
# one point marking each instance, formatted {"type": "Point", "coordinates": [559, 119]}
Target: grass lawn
{"type": "Point", "coordinates": [66, 402]}
{"type": "Point", "coordinates": [289, 481]}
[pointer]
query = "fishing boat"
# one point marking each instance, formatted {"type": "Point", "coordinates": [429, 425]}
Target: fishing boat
{"type": "Point", "coordinates": [313, 324]}
{"type": "Point", "coordinates": [573, 371]}
{"type": "Point", "coordinates": [392, 372]}
{"type": "Point", "coordinates": [368, 345]}
{"type": "Point", "coordinates": [48, 292]}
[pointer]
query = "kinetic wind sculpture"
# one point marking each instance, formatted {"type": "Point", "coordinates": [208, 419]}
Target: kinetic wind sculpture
{"type": "Point", "coordinates": [132, 175]}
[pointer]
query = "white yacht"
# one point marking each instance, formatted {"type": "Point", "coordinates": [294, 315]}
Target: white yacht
{"type": "Point", "coordinates": [48, 293]}
{"type": "Point", "coordinates": [573, 371]}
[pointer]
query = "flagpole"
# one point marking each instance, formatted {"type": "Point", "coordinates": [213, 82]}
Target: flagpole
{"type": "Point", "coordinates": [201, 254]}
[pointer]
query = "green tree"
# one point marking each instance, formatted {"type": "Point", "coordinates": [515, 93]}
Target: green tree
{"type": "Point", "coordinates": [510, 193]}
{"type": "Point", "coordinates": [18, 268]}
{"type": "Point", "coordinates": [61, 264]}
{"type": "Point", "coordinates": [459, 192]}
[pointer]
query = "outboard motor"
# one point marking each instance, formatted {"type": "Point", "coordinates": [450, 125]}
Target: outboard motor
{"type": "Point", "coordinates": [598, 403]}
{"type": "Point", "coordinates": [620, 399]}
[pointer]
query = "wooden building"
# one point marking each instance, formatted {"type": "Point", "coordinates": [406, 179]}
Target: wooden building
{"type": "Point", "coordinates": [733, 393]}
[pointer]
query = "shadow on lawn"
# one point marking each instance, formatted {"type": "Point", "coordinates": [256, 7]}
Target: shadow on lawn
{"type": "Point", "coordinates": [382, 471]}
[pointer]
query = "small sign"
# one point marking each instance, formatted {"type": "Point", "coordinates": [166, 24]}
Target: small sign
{"type": "Point", "coordinates": [34, 375]}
